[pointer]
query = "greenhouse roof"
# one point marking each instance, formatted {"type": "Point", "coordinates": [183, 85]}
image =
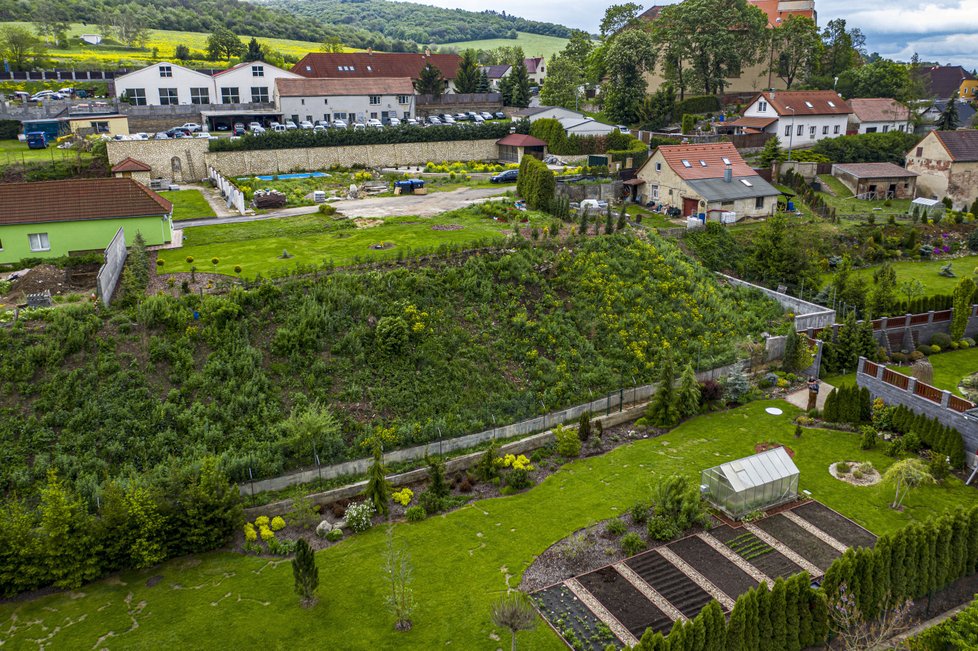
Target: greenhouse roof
{"type": "Point", "coordinates": [758, 469]}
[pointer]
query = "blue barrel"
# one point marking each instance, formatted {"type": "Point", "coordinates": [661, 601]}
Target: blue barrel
{"type": "Point", "coordinates": [702, 217]}
{"type": "Point", "coordinates": [791, 206]}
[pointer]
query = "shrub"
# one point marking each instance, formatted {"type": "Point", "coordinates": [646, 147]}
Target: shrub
{"type": "Point", "coordinates": [359, 516]}
{"type": "Point", "coordinates": [403, 496]}
{"type": "Point", "coordinates": [249, 531]}
{"type": "Point", "coordinates": [869, 438]}
{"type": "Point", "coordinates": [632, 543]}
{"type": "Point", "coordinates": [431, 502]}
{"type": "Point", "coordinates": [265, 533]}
{"type": "Point", "coordinates": [616, 527]}
{"type": "Point", "coordinates": [842, 468]}
{"type": "Point", "coordinates": [941, 339]}
{"type": "Point", "coordinates": [568, 443]}
{"type": "Point", "coordinates": [662, 527]}
{"type": "Point", "coordinates": [519, 478]}
{"type": "Point", "coordinates": [639, 512]}
{"type": "Point", "coordinates": [334, 535]}
{"type": "Point", "coordinates": [416, 513]}
{"type": "Point", "coordinates": [278, 523]}
{"type": "Point", "coordinates": [261, 521]}
{"type": "Point", "coordinates": [327, 209]}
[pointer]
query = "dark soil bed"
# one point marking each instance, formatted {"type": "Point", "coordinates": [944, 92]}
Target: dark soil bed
{"type": "Point", "coordinates": [732, 580]}
{"type": "Point", "coordinates": [671, 582]}
{"type": "Point", "coordinates": [574, 621]}
{"type": "Point", "coordinates": [628, 605]}
{"type": "Point", "coordinates": [836, 525]}
{"type": "Point", "coordinates": [772, 563]}
{"type": "Point", "coordinates": [800, 541]}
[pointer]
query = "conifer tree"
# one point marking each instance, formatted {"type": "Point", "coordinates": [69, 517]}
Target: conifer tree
{"type": "Point", "coordinates": [792, 616]}
{"type": "Point", "coordinates": [765, 632]}
{"type": "Point", "coordinates": [716, 625]}
{"type": "Point", "coordinates": [378, 489]}
{"type": "Point", "coordinates": [483, 86]}
{"type": "Point", "coordinates": [662, 409]}
{"type": "Point", "coordinates": [948, 119]}
{"type": "Point", "coordinates": [436, 475]}
{"type": "Point", "coordinates": [467, 77]}
{"type": "Point", "coordinates": [430, 81]}
{"type": "Point", "coordinates": [688, 394]}
{"type": "Point", "coordinates": [305, 573]}
{"type": "Point", "coordinates": [777, 607]}
{"type": "Point", "coordinates": [736, 639]}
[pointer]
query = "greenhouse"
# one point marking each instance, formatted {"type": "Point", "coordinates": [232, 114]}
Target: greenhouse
{"type": "Point", "coordinates": [756, 482]}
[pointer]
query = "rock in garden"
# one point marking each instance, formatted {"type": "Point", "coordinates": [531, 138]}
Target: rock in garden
{"type": "Point", "coordinates": [324, 528]}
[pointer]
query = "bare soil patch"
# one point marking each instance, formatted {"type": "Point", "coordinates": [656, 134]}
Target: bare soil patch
{"type": "Point", "coordinates": [803, 543]}
{"type": "Point", "coordinates": [764, 447]}
{"type": "Point", "coordinates": [362, 222]}
{"type": "Point", "coordinates": [447, 227]}
{"type": "Point", "coordinates": [835, 524]}
{"type": "Point", "coordinates": [625, 602]}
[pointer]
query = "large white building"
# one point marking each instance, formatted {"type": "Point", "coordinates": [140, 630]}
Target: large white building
{"type": "Point", "coordinates": [165, 83]}
{"type": "Point", "coordinates": [800, 118]}
{"type": "Point", "coordinates": [878, 115]}
{"type": "Point", "coordinates": [351, 100]}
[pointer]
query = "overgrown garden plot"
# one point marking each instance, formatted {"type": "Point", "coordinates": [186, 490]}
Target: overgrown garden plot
{"type": "Point", "coordinates": [803, 543]}
{"type": "Point", "coordinates": [772, 563]}
{"type": "Point", "coordinates": [834, 524]}
{"type": "Point", "coordinates": [625, 602]}
{"type": "Point", "coordinates": [713, 565]}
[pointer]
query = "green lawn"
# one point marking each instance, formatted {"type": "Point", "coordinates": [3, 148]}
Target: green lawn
{"type": "Point", "coordinates": [13, 152]}
{"type": "Point", "coordinates": [838, 187]}
{"type": "Point", "coordinates": [949, 368]}
{"type": "Point", "coordinates": [462, 561]}
{"type": "Point", "coordinates": [188, 204]}
{"type": "Point", "coordinates": [534, 45]}
{"type": "Point", "coordinates": [923, 270]}
{"type": "Point", "coordinates": [845, 204]}
{"type": "Point", "coordinates": [315, 239]}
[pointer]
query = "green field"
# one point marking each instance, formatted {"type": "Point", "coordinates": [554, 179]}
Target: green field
{"type": "Point", "coordinates": [188, 204]}
{"type": "Point", "coordinates": [164, 41]}
{"type": "Point", "coordinates": [462, 560]}
{"type": "Point", "coordinates": [534, 45]}
{"type": "Point", "coordinates": [315, 239]}
{"type": "Point", "coordinates": [923, 270]}
{"type": "Point", "coordinates": [13, 152]}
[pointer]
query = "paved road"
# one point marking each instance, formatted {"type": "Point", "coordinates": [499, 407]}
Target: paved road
{"type": "Point", "coordinates": [426, 205]}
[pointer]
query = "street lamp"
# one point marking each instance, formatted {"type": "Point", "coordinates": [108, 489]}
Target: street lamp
{"type": "Point", "coordinates": [791, 134]}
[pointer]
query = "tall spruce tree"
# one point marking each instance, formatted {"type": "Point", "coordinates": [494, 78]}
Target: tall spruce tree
{"type": "Point", "coordinates": [378, 488]}
{"type": "Point", "coordinates": [662, 410]}
{"type": "Point", "coordinates": [688, 394]}
{"type": "Point", "coordinates": [948, 119]}
{"type": "Point", "coordinates": [484, 86]}
{"type": "Point", "coordinates": [305, 573]}
{"type": "Point", "coordinates": [519, 81]}
{"type": "Point", "coordinates": [468, 75]}
{"type": "Point", "coordinates": [430, 81]}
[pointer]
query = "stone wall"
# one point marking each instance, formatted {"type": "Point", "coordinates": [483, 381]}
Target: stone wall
{"type": "Point", "coordinates": [965, 423]}
{"type": "Point", "coordinates": [807, 315]}
{"type": "Point", "coordinates": [187, 159]}
{"type": "Point", "coordinates": [580, 191]}
{"type": "Point", "coordinates": [899, 333]}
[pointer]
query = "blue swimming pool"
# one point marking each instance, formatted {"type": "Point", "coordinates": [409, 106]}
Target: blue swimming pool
{"type": "Point", "coordinates": [286, 177]}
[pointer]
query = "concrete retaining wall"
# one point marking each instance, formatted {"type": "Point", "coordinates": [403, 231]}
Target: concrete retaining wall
{"type": "Point", "coordinates": [965, 423]}
{"type": "Point", "coordinates": [111, 269]}
{"type": "Point", "coordinates": [581, 191]}
{"type": "Point", "coordinates": [807, 315]}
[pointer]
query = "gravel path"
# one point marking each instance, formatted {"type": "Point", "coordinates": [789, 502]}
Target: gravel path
{"type": "Point", "coordinates": [698, 578]}
{"type": "Point", "coordinates": [735, 558]}
{"type": "Point", "coordinates": [815, 531]}
{"type": "Point", "coordinates": [602, 613]}
{"type": "Point", "coordinates": [639, 583]}
{"type": "Point", "coordinates": [783, 549]}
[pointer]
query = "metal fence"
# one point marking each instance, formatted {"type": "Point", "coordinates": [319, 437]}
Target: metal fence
{"type": "Point", "coordinates": [111, 269]}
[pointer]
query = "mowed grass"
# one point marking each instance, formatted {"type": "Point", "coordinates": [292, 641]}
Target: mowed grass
{"type": "Point", "coordinates": [314, 239]}
{"type": "Point", "coordinates": [534, 45]}
{"type": "Point", "coordinates": [188, 204]}
{"type": "Point", "coordinates": [462, 560]}
{"type": "Point", "coordinates": [14, 152]}
{"type": "Point", "coordinates": [926, 271]}
{"type": "Point", "coordinates": [949, 368]}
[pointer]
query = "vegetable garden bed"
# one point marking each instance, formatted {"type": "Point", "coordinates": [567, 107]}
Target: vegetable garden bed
{"type": "Point", "coordinates": [574, 621]}
{"type": "Point", "coordinates": [714, 566]}
{"type": "Point", "coordinates": [834, 524]}
{"type": "Point", "coordinates": [773, 563]}
{"type": "Point", "coordinates": [669, 581]}
{"type": "Point", "coordinates": [625, 602]}
{"type": "Point", "coordinates": [800, 541]}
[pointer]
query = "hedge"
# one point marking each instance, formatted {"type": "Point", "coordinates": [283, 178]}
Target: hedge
{"type": "Point", "coordinates": [9, 129]}
{"type": "Point", "coordinates": [698, 104]}
{"type": "Point", "coordinates": [303, 138]}
{"type": "Point", "coordinates": [938, 437]}
{"type": "Point", "coordinates": [535, 183]}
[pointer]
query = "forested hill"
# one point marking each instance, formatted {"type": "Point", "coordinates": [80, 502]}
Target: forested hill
{"type": "Point", "coordinates": [418, 23]}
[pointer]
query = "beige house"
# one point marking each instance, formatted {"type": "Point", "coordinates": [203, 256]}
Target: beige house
{"type": "Point", "coordinates": [710, 181]}
{"type": "Point", "coordinates": [947, 166]}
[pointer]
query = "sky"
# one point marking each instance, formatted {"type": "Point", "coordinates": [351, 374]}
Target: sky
{"type": "Point", "coordinates": [942, 31]}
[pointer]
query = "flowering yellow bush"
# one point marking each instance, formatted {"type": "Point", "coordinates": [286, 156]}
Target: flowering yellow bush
{"type": "Point", "coordinates": [278, 523]}
{"type": "Point", "coordinates": [403, 496]}
{"type": "Point", "coordinates": [266, 533]}
{"type": "Point", "coordinates": [261, 521]}
{"type": "Point", "coordinates": [515, 462]}
{"type": "Point", "coordinates": [249, 531]}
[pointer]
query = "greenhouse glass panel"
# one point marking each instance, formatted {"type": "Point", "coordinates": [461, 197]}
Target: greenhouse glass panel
{"type": "Point", "coordinates": [756, 482]}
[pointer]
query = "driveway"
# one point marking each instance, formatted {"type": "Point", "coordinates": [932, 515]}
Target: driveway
{"type": "Point", "coordinates": [427, 205]}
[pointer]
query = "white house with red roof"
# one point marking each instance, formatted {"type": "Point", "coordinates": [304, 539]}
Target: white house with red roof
{"type": "Point", "coordinates": [800, 118]}
{"type": "Point", "coordinates": [707, 179]}
{"type": "Point", "coordinates": [166, 83]}
{"type": "Point", "coordinates": [250, 81]}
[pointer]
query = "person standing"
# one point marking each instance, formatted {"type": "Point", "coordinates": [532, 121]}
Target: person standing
{"type": "Point", "coordinates": [812, 392]}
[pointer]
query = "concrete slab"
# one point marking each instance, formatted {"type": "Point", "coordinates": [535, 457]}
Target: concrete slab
{"type": "Point", "coordinates": [800, 398]}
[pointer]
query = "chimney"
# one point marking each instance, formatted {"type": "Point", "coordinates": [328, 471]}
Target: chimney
{"type": "Point", "coordinates": [727, 174]}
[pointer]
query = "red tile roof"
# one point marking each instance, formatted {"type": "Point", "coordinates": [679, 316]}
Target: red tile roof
{"type": "Point", "coordinates": [333, 87]}
{"type": "Point", "coordinates": [777, 10]}
{"type": "Point", "coordinates": [710, 154]}
{"type": "Point", "coordinates": [751, 123]}
{"type": "Point", "coordinates": [961, 145]}
{"type": "Point", "coordinates": [353, 65]}
{"type": "Point", "coordinates": [533, 63]}
{"type": "Point", "coordinates": [129, 164]}
{"type": "Point", "coordinates": [806, 102]}
{"type": "Point", "coordinates": [520, 140]}
{"type": "Point", "coordinates": [78, 200]}
{"type": "Point", "coordinates": [879, 109]}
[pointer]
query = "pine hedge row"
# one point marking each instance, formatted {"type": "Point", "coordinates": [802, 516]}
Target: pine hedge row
{"type": "Point", "coordinates": [535, 183]}
{"type": "Point", "coordinates": [848, 405]}
{"type": "Point", "coordinates": [932, 433]}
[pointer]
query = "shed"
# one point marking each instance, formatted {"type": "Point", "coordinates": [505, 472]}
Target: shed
{"type": "Point", "coordinates": [757, 482]}
{"type": "Point", "coordinates": [876, 180]}
{"type": "Point", "coordinates": [929, 206]}
{"type": "Point", "coordinates": [513, 147]}
{"type": "Point", "coordinates": [134, 169]}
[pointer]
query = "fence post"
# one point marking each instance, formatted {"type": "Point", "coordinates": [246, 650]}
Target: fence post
{"type": "Point", "coordinates": [945, 398]}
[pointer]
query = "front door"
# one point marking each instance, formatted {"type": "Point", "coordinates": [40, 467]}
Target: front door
{"type": "Point", "coordinates": [689, 206]}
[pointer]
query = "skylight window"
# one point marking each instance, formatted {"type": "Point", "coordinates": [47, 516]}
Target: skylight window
{"type": "Point", "coordinates": [831, 103]}
{"type": "Point", "coordinates": [702, 163]}
{"type": "Point", "coordinates": [747, 183]}
{"type": "Point", "coordinates": [809, 105]}
{"type": "Point", "coordinates": [686, 163]}
{"type": "Point", "coordinates": [726, 161]}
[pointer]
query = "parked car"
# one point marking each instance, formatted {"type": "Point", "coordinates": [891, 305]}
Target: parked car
{"type": "Point", "coordinates": [306, 124]}
{"type": "Point", "coordinates": [322, 123]}
{"type": "Point", "coordinates": [447, 119]}
{"type": "Point", "coordinates": [46, 95]}
{"type": "Point", "coordinates": [178, 132]}
{"type": "Point", "coordinates": [290, 125]}
{"type": "Point", "coordinates": [339, 124]}
{"type": "Point", "coordinates": [359, 126]}
{"type": "Point", "coordinates": [500, 115]}
{"type": "Point", "coordinates": [509, 176]}
{"type": "Point", "coordinates": [462, 117]}
{"type": "Point", "coordinates": [239, 129]}
{"type": "Point", "coordinates": [411, 122]}
{"type": "Point", "coordinates": [192, 127]}
{"type": "Point", "coordinates": [252, 125]}
{"type": "Point", "coordinates": [594, 204]}
{"type": "Point", "coordinates": [486, 115]}
{"type": "Point", "coordinates": [478, 119]}
{"type": "Point", "coordinates": [37, 140]}
{"type": "Point", "coordinates": [625, 131]}
{"type": "Point", "coordinates": [258, 130]}
{"type": "Point", "coordinates": [140, 136]}
{"type": "Point", "coordinates": [161, 136]}
{"type": "Point", "coordinates": [472, 115]}
{"type": "Point", "coordinates": [394, 122]}
{"type": "Point", "coordinates": [66, 92]}
{"type": "Point", "coordinates": [375, 123]}
{"type": "Point", "coordinates": [433, 119]}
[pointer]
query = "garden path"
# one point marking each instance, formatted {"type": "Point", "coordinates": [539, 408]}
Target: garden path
{"type": "Point", "coordinates": [800, 398]}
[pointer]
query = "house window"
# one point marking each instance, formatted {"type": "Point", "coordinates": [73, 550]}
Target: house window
{"type": "Point", "coordinates": [920, 152]}
{"type": "Point", "coordinates": [759, 203]}
{"type": "Point", "coordinates": [259, 93]}
{"type": "Point", "coordinates": [302, 101]}
{"type": "Point", "coordinates": [257, 71]}
{"type": "Point", "coordinates": [762, 106]}
{"type": "Point", "coordinates": [166, 71]}
{"type": "Point", "coordinates": [100, 127]}
{"type": "Point", "coordinates": [801, 129]}
{"type": "Point", "coordinates": [200, 95]}
{"type": "Point", "coordinates": [726, 204]}
{"type": "Point", "coordinates": [787, 131]}
{"type": "Point", "coordinates": [168, 96]}
{"type": "Point", "coordinates": [658, 168]}
{"type": "Point", "coordinates": [811, 131]}
{"type": "Point", "coordinates": [870, 129]}
{"type": "Point", "coordinates": [230, 96]}
{"type": "Point", "coordinates": [373, 116]}
{"type": "Point", "coordinates": [137, 96]}
{"type": "Point", "coordinates": [1, 245]}
{"type": "Point", "coordinates": [825, 130]}
{"type": "Point", "coordinates": [902, 127]}
{"type": "Point", "coordinates": [340, 116]}
{"type": "Point", "coordinates": [836, 130]}
{"type": "Point", "coordinates": [886, 128]}
{"type": "Point", "coordinates": [39, 242]}
{"type": "Point", "coordinates": [655, 192]}
{"type": "Point", "coordinates": [403, 99]}
{"type": "Point", "coordinates": [375, 99]}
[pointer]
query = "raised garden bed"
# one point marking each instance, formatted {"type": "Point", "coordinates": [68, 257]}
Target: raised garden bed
{"type": "Point", "coordinates": [732, 580]}
{"type": "Point", "coordinates": [574, 621]}
{"type": "Point", "coordinates": [801, 542]}
{"type": "Point", "coordinates": [772, 563]}
{"type": "Point", "coordinates": [627, 604]}
{"type": "Point", "coordinates": [669, 581]}
{"type": "Point", "coordinates": [838, 526]}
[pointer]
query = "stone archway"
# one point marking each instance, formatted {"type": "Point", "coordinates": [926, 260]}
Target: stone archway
{"type": "Point", "coordinates": [176, 167]}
